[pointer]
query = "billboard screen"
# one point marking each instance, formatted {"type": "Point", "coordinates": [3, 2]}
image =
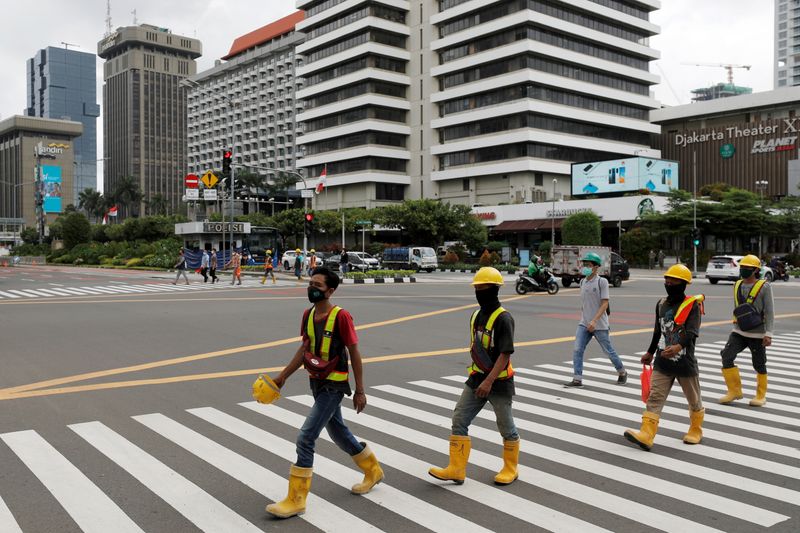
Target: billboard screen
{"type": "Point", "coordinates": [624, 175]}
{"type": "Point", "coordinates": [51, 187]}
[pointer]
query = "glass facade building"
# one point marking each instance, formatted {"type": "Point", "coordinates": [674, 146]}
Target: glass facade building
{"type": "Point", "coordinates": [62, 85]}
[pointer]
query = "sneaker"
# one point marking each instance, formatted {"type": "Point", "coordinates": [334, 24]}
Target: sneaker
{"type": "Point", "coordinates": [576, 383]}
{"type": "Point", "coordinates": [622, 379]}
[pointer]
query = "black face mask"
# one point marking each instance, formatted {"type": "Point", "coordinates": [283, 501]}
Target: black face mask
{"type": "Point", "coordinates": [488, 298]}
{"type": "Point", "coordinates": [315, 295]}
{"type": "Point", "coordinates": [675, 293]}
{"type": "Point", "coordinates": [745, 273]}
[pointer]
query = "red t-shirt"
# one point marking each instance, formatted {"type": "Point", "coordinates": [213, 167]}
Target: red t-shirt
{"type": "Point", "coordinates": [345, 328]}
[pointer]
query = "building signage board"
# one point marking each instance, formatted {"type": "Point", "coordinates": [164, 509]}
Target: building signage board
{"type": "Point", "coordinates": [210, 195]}
{"type": "Point", "coordinates": [624, 175]}
{"type": "Point", "coordinates": [217, 227]}
{"type": "Point", "coordinates": [767, 138]}
{"type": "Point", "coordinates": [192, 194]}
{"type": "Point", "coordinates": [51, 188]}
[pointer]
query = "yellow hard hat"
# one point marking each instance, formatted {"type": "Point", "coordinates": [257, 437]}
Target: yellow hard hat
{"type": "Point", "coordinates": [297, 251]}
{"type": "Point", "coordinates": [679, 272]}
{"type": "Point", "coordinates": [265, 390]}
{"type": "Point", "coordinates": [751, 261]}
{"type": "Point", "coordinates": [488, 275]}
{"type": "Point", "coordinates": [313, 251]}
{"type": "Point", "coordinates": [269, 252]}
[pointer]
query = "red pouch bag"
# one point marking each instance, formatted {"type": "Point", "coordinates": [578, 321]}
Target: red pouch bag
{"type": "Point", "coordinates": [647, 371]}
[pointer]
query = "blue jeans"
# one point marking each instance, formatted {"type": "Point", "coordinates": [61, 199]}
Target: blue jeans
{"type": "Point", "coordinates": [469, 405]}
{"type": "Point", "coordinates": [582, 338]}
{"type": "Point", "coordinates": [325, 413]}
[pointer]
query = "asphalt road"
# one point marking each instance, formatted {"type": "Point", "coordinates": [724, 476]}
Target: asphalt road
{"type": "Point", "coordinates": [120, 405]}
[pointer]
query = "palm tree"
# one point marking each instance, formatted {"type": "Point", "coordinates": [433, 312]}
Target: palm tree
{"type": "Point", "coordinates": [89, 200]}
{"type": "Point", "coordinates": [157, 205]}
{"type": "Point", "coordinates": [127, 195]}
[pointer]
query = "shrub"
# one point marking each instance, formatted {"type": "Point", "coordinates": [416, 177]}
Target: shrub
{"type": "Point", "coordinates": [450, 258]}
{"type": "Point", "coordinates": [370, 274]}
{"type": "Point", "coordinates": [136, 261]}
{"type": "Point", "coordinates": [494, 257]}
{"type": "Point", "coordinates": [496, 246]}
{"type": "Point", "coordinates": [486, 259]}
{"type": "Point", "coordinates": [582, 228]}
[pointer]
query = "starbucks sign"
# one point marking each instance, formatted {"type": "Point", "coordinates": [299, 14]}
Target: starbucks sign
{"type": "Point", "coordinates": [726, 151]}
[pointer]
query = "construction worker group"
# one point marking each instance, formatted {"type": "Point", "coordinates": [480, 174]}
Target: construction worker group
{"type": "Point", "coordinates": [329, 351]}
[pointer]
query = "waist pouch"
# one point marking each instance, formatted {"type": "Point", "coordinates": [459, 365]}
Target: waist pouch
{"type": "Point", "coordinates": [481, 359]}
{"type": "Point", "coordinates": [317, 367]}
{"type": "Point", "coordinates": [747, 317]}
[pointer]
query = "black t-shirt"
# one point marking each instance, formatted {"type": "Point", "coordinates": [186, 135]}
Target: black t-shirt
{"type": "Point", "coordinates": [502, 342]}
{"type": "Point", "coordinates": [685, 363]}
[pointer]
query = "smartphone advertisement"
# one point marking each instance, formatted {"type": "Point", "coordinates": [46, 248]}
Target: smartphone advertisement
{"type": "Point", "coordinates": [624, 175]}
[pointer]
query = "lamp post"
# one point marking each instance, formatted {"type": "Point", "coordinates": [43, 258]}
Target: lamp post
{"type": "Point", "coordinates": [761, 185]}
{"type": "Point", "coordinates": [553, 218]}
{"type": "Point", "coordinates": [694, 208]}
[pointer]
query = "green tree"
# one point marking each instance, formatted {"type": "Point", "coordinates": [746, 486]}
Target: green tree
{"type": "Point", "coordinates": [582, 228]}
{"type": "Point", "coordinates": [127, 195]}
{"type": "Point", "coordinates": [157, 205]}
{"type": "Point", "coordinates": [29, 236]}
{"type": "Point", "coordinates": [91, 200]}
{"type": "Point", "coordinates": [76, 229]}
{"type": "Point", "coordinates": [636, 245]}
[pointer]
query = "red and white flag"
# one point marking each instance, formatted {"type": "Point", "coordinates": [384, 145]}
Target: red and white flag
{"type": "Point", "coordinates": [112, 211]}
{"type": "Point", "coordinates": [105, 219]}
{"type": "Point", "coordinates": [323, 180]}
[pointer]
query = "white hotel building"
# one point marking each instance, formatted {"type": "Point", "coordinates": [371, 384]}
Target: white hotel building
{"type": "Point", "coordinates": [470, 101]}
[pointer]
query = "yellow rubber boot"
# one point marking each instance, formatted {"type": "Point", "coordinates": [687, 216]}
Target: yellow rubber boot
{"type": "Point", "coordinates": [373, 473]}
{"type": "Point", "coordinates": [509, 473]}
{"type": "Point", "coordinates": [761, 391]}
{"type": "Point", "coordinates": [456, 471]}
{"type": "Point", "coordinates": [295, 501]}
{"type": "Point", "coordinates": [695, 433]}
{"type": "Point", "coordinates": [263, 280]}
{"type": "Point", "coordinates": [734, 382]}
{"type": "Point", "coordinates": [647, 434]}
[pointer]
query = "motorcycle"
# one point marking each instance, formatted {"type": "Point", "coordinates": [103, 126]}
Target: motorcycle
{"type": "Point", "coordinates": [780, 271]}
{"type": "Point", "coordinates": [526, 283]}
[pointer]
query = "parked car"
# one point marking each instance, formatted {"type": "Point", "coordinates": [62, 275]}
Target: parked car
{"type": "Point", "coordinates": [726, 268]}
{"type": "Point", "coordinates": [371, 261]}
{"type": "Point", "coordinates": [356, 263]}
{"type": "Point", "coordinates": [287, 260]}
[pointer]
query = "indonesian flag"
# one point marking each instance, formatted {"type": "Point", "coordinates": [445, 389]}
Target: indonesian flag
{"type": "Point", "coordinates": [105, 219]}
{"type": "Point", "coordinates": [112, 211]}
{"type": "Point", "coordinates": [323, 180]}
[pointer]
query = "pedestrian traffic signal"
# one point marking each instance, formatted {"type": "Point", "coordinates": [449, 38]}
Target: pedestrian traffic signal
{"type": "Point", "coordinates": [696, 236]}
{"type": "Point", "coordinates": [226, 162]}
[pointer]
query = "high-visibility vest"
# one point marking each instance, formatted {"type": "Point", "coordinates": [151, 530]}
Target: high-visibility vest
{"type": "Point", "coordinates": [325, 345]}
{"type": "Point", "coordinates": [486, 342]}
{"type": "Point", "coordinates": [751, 297]}
{"type": "Point", "coordinates": [686, 307]}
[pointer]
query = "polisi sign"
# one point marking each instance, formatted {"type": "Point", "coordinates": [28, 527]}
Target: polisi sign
{"type": "Point", "coordinates": [780, 144]}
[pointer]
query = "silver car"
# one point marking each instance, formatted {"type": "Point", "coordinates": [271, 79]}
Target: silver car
{"type": "Point", "coordinates": [726, 268]}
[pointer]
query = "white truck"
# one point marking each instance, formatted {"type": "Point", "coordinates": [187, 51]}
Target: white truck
{"type": "Point", "coordinates": [566, 264]}
{"type": "Point", "coordinates": [410, 258]}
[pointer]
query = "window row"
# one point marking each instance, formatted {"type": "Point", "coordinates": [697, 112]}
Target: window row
{"type": "Point", "coordinates": [624, 7]}
{"type": "Point", "coordinates": [356, 139]}
{"type": "Point", "coordinates": [377, 87]}
{"type": "Point", "coordinates": [447, 4]}
{"type": "Point", "coordinates": [374, 36]}
{"type": "Point", "coordinates": [515, 151]}
{"type": "Point", "coordinates": [322, 6]}
{"type": "Point", "coordinates": [384, 12]}
{"type": "Point", "coordinates": [355, 65]}
{"type": "Point", "coordinates": [354, 115]}
{"type": "Point", "coordinates": [359, 164]}
{"type": "Point", "coordinates": [541, 122]}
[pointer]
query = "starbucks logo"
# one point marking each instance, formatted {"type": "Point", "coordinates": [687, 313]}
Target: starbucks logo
{"type": "Point", "coordinates": [646, 207]}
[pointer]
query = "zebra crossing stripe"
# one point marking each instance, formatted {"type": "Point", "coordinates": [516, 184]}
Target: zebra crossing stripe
{"type": "Point", "coordinates": [782, 353]}
{"type": "Point", "coordinates": [9, 295]}
{"type": "Point", "coordinates": [320, 513]}
{"type": "Point", "coordinates": [492, 497]}
{"type": "Point", "coordinates": [625, 451]}
{"type": "Point", "coordinates": [711, 378]}
{"type": "Point", "coordinates": [89, 506]}
{"type": "Point", "coordinates": [101, 290]}
{"type": "Point", "coordinates": [789, 369]}
{"type": "Point", "coordinates": [7, 522]}
{"type": "Point", "coordinates": [200, 508]}
{"type": "Point", "coordinates": [147, 288]}
{"type": "Point", "coordinates": [38, 292]}
{"type": "Point", "coordinates": [23, 293]}
{"type": "Point", "coordinates": [729, 456]}
{"type": "Point", "coordinates": [401, 503]}
{"type": "Point", "coordinates": [72, 292]}
{"type": "Point", "coordinates": [645, 482]}
{"type": "Point", "coordinates": [757, 444]}
{"type": "Point", "coordinates": [612, 503]}
{"type": "Point", "coordinates": [786, 375]}
{"type": "Point", "coordinates": [55, 292]}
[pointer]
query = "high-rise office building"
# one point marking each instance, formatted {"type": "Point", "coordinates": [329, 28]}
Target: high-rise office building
{"type": "Point", "coordinates": [247, 103]}
{"type": "Point", "coordinates": [62, 85]}
{"type": "Point", "coordinates": [144, 111]}
{"type": "Point", "coordinates": [471, 102]}
{"type": "Point", "coordinates": [787, 43]}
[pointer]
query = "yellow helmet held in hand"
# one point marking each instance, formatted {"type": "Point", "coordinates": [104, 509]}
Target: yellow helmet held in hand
{"type": "Point", "coordinates": [750, 261]}
{"type": "Point", "coordinates": [265, 390]}
{"type": "Point", "coordinates": [488, 275]}
{"type": "Point", "coordinates": [679, 272]}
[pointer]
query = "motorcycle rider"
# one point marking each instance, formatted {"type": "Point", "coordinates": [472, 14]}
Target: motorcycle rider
{"type": "Point", "coordinates": [535, 270]}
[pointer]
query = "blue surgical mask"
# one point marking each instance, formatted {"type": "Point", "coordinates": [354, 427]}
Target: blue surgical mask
{"type": "Point", "coordinates": [586, 271]}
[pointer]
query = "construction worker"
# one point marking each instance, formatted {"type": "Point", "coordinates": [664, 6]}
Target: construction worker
{"type": "Point", "coordinates": [269, 268]}
{"type": "Point", "coordinates": [491, 378]}
{"type": "Point", "coordinates": [236, 264]}
{"type": "Point", "coordinates": [312, 261]}
{"type": "Point", "coordinates": [676, 329]}
{"type": "Point", "coordinates": [298, 263]}
{"type": "Point", "coordinates": [328, 337]}
{"type": "Point", "coordinates": [754, 315]}
{"type": "Point", "coordinates": [594, 321]}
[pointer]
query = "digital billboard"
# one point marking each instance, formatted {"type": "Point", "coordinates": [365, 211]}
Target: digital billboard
{"type": "Point", "coordinates": [624, 175]}
{"type": "Point", "coordinates": [51, 187]}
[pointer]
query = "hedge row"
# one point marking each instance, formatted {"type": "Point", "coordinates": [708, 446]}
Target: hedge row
{"type": "Point", "coordinates": [371, 274]}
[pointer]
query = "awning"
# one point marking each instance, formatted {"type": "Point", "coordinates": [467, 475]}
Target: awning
{"type": "Point", "coordinates": [526, 226]}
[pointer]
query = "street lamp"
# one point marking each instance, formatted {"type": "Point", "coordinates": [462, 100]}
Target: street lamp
{"type": "Point", "coordinates": [553, 217]}
{"type": "Point", "coordinates": [761, 185]}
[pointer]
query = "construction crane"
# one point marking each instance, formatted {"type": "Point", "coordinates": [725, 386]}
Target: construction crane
{"type": "Point", "coordinates": [729, 67]}
{"type": "Point", "coordinates": [67, 45]}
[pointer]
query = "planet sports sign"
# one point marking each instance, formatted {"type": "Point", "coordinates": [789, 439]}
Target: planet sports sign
{"type": "Point", "coordinates": [788, 128]}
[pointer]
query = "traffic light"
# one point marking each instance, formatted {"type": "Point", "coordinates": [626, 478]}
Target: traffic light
{"type": "Point", "coordinates": [696, 236]}
{"type": "Point", "coordinates": [308, 223]}
{"type": "Point", "coordinates": [226, 162]}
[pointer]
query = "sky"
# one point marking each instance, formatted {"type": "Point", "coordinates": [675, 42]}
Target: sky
{"type": "Point", "coordinates": [692, 31]}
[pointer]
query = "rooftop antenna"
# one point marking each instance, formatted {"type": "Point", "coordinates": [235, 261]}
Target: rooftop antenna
{"type": "Point", "coordinates": [108, 17]}
{"type": "Point", "coordinates": [67, 45]}
{"type": "Point", "coordinates": [135, 22]}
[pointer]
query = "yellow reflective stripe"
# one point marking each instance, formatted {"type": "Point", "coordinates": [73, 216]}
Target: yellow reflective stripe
{"type": "Point", "coordinates": [486, 339]}
{"type": "Point", "coordinates": [337, 376]}
{"type": "Point", "coordinates": [472, 327]}
{"type": "Point", "coordinates": [752, 294]}
{"type": "Point", "coordinates": [508, 372]}
{"type": "Point", "coordinates": [310, 331]}
{"type": "Point", "coordinates": [325, 349]}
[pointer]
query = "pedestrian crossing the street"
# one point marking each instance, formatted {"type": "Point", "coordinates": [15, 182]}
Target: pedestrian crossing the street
{"type": "Point", "coordinates": [577, 472]}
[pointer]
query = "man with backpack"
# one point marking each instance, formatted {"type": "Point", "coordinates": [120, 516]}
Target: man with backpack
{"type": "Point", "coordinates": [753, 317]}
